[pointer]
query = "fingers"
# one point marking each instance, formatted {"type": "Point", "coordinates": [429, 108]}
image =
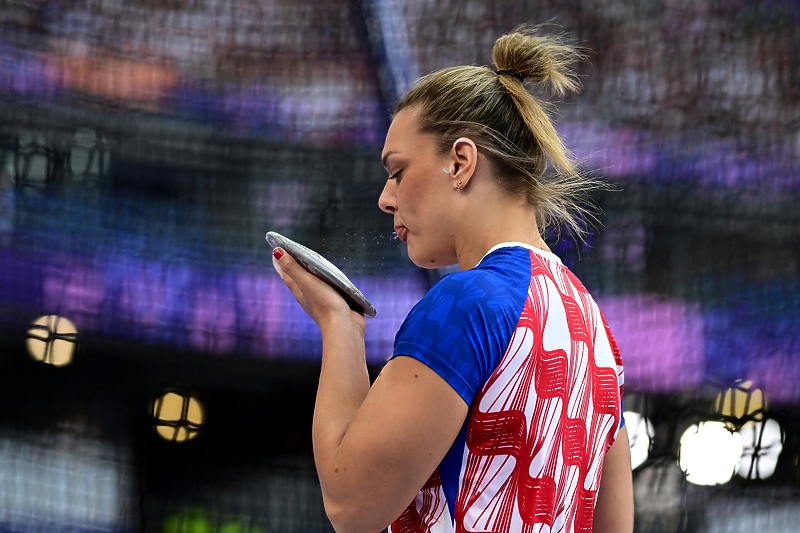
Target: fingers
{"type": "Point", "coordinates": [291, 273]}
{"type": "Point", "coordinates": [288, 269]}
{"type": "Point", "coordinates": [276, 266]}
{"type": "Point", "coordinates": [308, 289]}
{"type": "Point", "coordinates": [282, 261]}
{"type": "Point", "coordinates": [315, 296]}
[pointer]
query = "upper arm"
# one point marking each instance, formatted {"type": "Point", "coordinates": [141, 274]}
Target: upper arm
{"type": "Point", "coordinates": [614, 509]}
{"type": "Point", "coordinates": [402, 431]}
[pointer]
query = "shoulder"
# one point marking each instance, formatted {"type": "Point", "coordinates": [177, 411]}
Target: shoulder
{"type": "Point", "coordinates": [504, 271]}
{"type": "Point", "coordinates": [462, 326]}
{"type": "Point", "coordinates": [462, 300]}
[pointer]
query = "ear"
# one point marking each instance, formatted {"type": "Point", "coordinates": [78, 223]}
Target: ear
{"type": "Point", "coordinates": [463, 161]}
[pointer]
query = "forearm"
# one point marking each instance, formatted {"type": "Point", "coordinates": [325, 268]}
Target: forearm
{"type": "Point", "coordinates": [342, 463]}
{"type": "Point", "coordinates": [343, 385]}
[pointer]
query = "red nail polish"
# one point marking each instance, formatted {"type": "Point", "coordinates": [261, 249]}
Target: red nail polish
{"type": "Point", "coordinates": [277, 253]}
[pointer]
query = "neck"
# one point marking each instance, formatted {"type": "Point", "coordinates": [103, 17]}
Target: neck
{"type": "Point", "coordinates": [494, 219]}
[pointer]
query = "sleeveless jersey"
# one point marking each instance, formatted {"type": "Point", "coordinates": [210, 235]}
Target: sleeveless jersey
{"type": "Point", "coordinates": [525, 345]}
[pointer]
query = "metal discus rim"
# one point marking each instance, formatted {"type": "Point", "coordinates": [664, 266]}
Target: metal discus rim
{"type": "Point", "coordinates": [325, 270]}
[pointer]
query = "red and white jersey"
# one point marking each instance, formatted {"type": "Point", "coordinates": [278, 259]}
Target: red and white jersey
{"type": "Point", "coordinates": [543, 410]}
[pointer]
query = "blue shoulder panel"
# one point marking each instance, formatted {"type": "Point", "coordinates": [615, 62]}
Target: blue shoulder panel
{"type": "Point", "coordinates": [462, 326]}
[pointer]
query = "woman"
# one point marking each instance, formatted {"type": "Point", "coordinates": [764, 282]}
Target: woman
{"type": "Point", "coordinates": [502, 403]}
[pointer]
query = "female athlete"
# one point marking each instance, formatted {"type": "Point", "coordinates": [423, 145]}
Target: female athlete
{"type": "Point", "coordinates": [500, 409]}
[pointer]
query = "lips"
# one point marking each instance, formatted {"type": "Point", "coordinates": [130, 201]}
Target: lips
{"type": "Point", "coordinates": [401, 232]}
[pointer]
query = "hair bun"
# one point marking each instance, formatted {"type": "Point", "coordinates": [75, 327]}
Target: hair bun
{"type": "Point", "coordinates": [539, 57]}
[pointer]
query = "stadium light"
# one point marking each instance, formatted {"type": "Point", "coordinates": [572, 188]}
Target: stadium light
{"type": "Point", "coordinates": [741, 400]}
{"type": "Point", "coordinates": [640, 433]}
{"type": "Point", "coordinates": [709, 453]}
{"type": "Point", "coordinates": [51, 339]}
{"type": "Point", "coordinates": [763, 443]}
{"type": "Point", "coordinates": [178, 417]}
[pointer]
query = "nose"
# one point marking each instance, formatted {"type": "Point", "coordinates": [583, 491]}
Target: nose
{"type": "Point", "coordinates": [387, 201]}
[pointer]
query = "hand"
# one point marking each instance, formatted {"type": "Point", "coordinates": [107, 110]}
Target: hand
{"type": "Point", "coordinates": [318, 299]}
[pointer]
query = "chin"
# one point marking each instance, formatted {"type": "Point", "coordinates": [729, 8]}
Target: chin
{"type": "Point", "coordinates": [430, 262]}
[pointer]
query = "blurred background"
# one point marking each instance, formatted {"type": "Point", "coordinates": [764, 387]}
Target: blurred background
{"type": "Point", "coordinates": [155, 375]}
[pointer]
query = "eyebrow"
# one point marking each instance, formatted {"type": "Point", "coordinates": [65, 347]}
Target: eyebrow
{"type": "Point", "coordinates": [386, 156]}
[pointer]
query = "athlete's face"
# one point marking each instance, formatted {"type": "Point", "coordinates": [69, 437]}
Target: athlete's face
{"type": "Point", "coordinates": [417, 192]}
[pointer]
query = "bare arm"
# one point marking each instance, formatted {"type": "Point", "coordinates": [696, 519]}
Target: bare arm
{"type": "Point", "coordinates": [374, 447]}
{"type": "Point", "coordinates": [613, 512]}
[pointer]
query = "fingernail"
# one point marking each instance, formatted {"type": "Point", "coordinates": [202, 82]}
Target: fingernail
{"type": "Point", "coordinates": [277, 267]}
{"type": "Point", "coordinates": [277, 253]}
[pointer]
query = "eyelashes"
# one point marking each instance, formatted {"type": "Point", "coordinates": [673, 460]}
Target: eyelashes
{"type": "Point", "coordinates": [395, 175]}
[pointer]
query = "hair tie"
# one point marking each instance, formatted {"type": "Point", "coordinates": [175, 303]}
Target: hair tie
{"type": "Point", "coordinates": [517, 75]}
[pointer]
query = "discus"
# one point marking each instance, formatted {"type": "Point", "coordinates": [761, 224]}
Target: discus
{"type": "Point", "coordinates": [324, 270]}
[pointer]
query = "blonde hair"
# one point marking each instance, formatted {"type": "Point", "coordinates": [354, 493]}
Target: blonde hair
{"type": "Point", "coordinates": [510, 125]}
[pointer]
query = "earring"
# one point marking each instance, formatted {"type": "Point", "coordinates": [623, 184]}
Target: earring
{"type": "Point", "coordinates": [458, 185]}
